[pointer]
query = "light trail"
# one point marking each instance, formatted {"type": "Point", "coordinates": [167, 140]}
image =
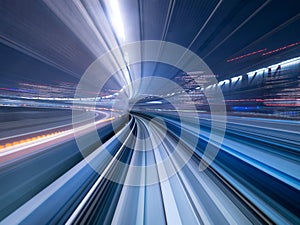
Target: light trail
{"type": "Point", "coordinates": [272, 32]}
{"type": "Point", "coordinates": [9, 145]}
{"type": "Point", "coordinates": [39, 140]}
{"type": "Point", "coordinates": [246, 55]}
{"type": "Point", "coordinates": [281, 49]}
{"type": "Point", "coordinates": [240, 26]}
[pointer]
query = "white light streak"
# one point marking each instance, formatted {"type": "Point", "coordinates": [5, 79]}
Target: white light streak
{"type": "Point", "coordinates": [116, 18]}
{"type": "Point", "coordinates": [155, 102]}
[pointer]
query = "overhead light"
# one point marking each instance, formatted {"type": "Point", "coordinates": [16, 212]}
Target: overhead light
{"type": "Point", "coordinates": [116, 18]}
{"type": "Point", "coordinates": [154, 102]}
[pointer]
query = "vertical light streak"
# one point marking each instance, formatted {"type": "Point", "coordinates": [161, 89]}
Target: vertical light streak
{"type": "Point", "coordinates": [116, 18]}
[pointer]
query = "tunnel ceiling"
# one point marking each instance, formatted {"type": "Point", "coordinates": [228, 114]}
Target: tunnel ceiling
{"type": "Point", "coordinates": [58, 40]}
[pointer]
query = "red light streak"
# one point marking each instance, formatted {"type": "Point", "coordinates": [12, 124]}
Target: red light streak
{"type": "Point", "coordinates": [262, 50]}
{"type": "Point", "coordinates": [280, 49]}
{"type": "Point", "coordinates": [246, 55]}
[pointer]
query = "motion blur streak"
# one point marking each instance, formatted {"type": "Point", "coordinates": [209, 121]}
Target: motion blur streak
{"type": "Point", "coordinates": [109, 115]}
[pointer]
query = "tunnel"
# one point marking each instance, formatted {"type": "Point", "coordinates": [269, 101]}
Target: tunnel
{"type": "Point", "coordinates": [149, 112]}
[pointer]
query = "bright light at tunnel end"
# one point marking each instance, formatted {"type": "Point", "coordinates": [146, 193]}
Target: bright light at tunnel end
{"type": "Point", "coordinates": [94, 83]}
